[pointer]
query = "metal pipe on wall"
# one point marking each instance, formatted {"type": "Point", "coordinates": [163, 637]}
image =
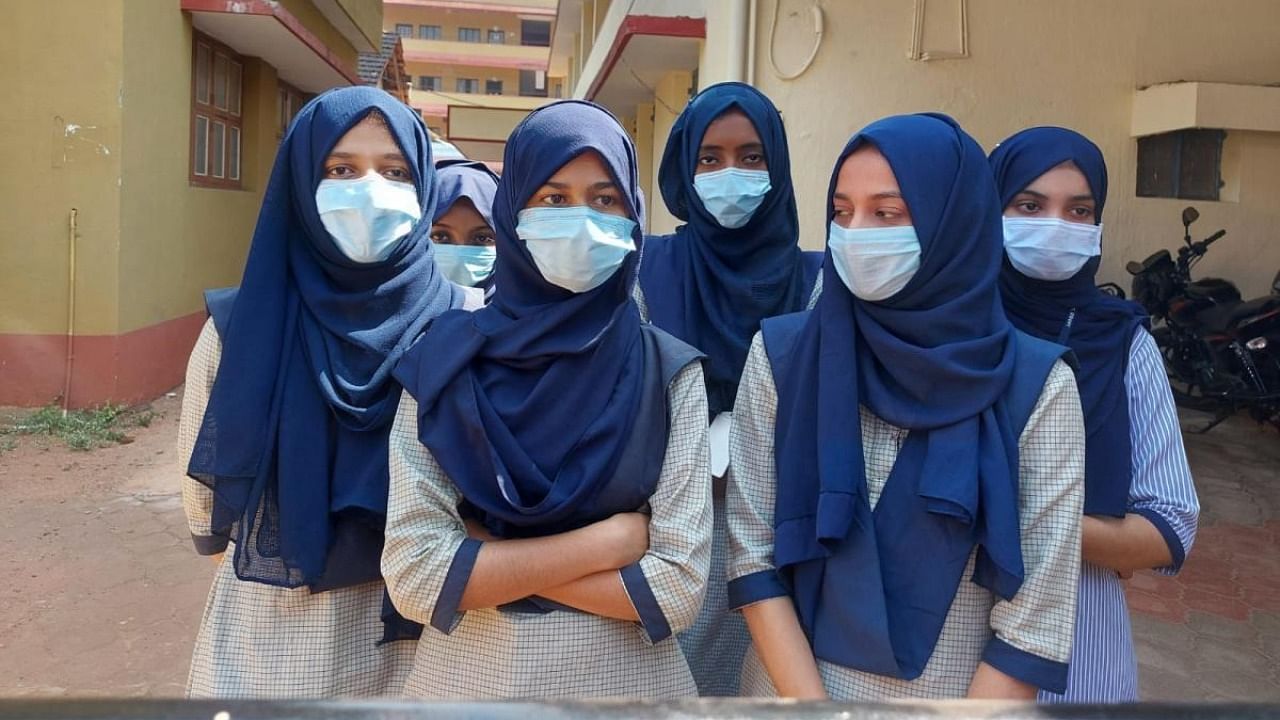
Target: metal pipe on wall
{"type": "Point", "coordinates": [73, 230]}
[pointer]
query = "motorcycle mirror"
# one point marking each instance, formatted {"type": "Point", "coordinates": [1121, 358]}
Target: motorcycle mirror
{"type": "Point", "coordinates": [1189, 215]}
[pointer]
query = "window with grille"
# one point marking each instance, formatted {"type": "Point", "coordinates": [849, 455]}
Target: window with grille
{"type": "Point", "coordinates": [404, 30]}
{"type": "Point", "coordinates": [469, 34]}
{"type": "Point", "coordinates": [468, 85]}
{"type": "Point", "coordinates": [428, 32]}
{"type": "Point", "coordinates": [1185, 164]}
{"type": "Point", "coordinates": [497, 37]}
{"type": "Point", "coordinates": [216, 114]}
{"type": "Point", "coordinates": [430, 83]}
{"type": "Point", "coordinates": [492, 87]}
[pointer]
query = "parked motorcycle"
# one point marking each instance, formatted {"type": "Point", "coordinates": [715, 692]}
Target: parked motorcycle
{"type": "Point", "coordinates": [1222, 353]}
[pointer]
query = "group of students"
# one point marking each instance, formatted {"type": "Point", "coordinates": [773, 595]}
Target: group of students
{"type": "Point", "coordinates": [467, 437]}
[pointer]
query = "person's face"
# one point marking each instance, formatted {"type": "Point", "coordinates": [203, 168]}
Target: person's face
{"type": "Point", "coordinates": [731, 141]}
{"type": "Point", "coordinates": [1062, 193]}
{"type": "Point", "coordinates": [462, 225]}
{"type": "Point", "coordinates": [867, 193]}
{"type": "Point", "coordinates": [583, 180]}
{"type": "Point", "coordinates": [367, 148]}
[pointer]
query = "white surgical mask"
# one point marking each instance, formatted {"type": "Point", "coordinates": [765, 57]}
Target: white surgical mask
{"type": "Point", "coordinates": [368, 216]}
{"type": "Point", "coordinates": [1049, 248]}
{"type": "Point", "coordinates": [466, 265]}
{"type": "Point", "coordinates": [575, 247]}
{"type": "Point", "coordinates": [875, 263]}
{"type": "Point", "coordinates": [731, 195]}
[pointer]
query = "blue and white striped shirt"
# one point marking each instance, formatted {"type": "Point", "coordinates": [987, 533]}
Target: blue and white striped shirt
{"type": "Point", "coordinates": [1103, 666]}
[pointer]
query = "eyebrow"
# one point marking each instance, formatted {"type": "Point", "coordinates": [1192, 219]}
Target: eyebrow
{"type": "Point", "coordinates": [1073, 198]}
{"type": "Point", "coordinates": [602, 185]}
{"type": "Point", "coordinates": [746, 146]}
{"type": "Point", "coordinates": [384, 156]}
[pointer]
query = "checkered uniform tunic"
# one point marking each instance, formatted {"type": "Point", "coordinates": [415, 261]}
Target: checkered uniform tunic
{"type": "Point", "coordinates": [717, 644]}
{"type": "Point", "coordinates": [491, 653]}
{"type": "Point", "coordinates": [1038, 621]}
{"type": "Point", "coordinates": [262, 641]}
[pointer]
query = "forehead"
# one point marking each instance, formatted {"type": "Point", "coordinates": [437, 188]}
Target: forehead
{"type": "Point", "coordinates": [865, 171]}
{"type": "Point", "coordinates": [731, 125]}
{"type": "Point", "coordinates": [370, 132]}
{"type": "Point", "coordinates": [1063, 179]}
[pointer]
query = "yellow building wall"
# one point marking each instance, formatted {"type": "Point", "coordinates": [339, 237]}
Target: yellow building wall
{"type": "Point", "coordinates": [60, 131]}
{"type": "Point", "coordinates": [367, 16]}
{"type": "Point", "coordinates": [312, 19]}
{"type": "Point", "coordinates": [672, 94]}
{"type": "Point", "coordinates": [176, 239]}
{"type": "Point", "coordinates": [449, 75]}
{"type": "Point", "coordinates": [1037, 62]}
{"type": "Point", "coordinates": [450, 20]}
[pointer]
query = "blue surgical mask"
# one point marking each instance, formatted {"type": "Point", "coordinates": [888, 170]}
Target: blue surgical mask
{"type": "Point", "coordinates": [575, 247]}
{"type": "Point", "coordinates": [368, 216]}
{"type": "Point", "coordinates": [466, 265]}
{"type": "Point", "coordinates": [1049, 248]}
{"type": "Point", "coordinates": [731, 195]}
{"type": "Point", "coordinates": [875, 263]}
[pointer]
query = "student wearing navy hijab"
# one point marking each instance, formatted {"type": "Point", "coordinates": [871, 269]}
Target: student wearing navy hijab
{"type": "Point", "coordinates": [726, 173]}
{"type": "Point", "coordinates": [549, 519]}
{"type": "Point", "coordinates": [1140, 502]}
{"type": "Point", "coordinates": [462, 229]}
{"type": "Point", "coordinates": [907, 465]}
{"type": "Point", "coordinates": [289, 401]}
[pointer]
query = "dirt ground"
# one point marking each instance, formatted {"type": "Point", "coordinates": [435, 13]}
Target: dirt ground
{"type": "Point", "coordinates": [102, 591]}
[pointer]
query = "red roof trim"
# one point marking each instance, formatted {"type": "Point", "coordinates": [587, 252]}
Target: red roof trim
{"type": "Point", "coordinates": [480, 61]}
{"type": "Point", "coordinates": [285, 18]}
{"type": "Point", "coordinates": [662, 26]}
{"type": "Point", "coordinates": [481, 7]}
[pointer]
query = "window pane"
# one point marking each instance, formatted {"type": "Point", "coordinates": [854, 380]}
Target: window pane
{"type": "Point", "coordinates": [404, 30]}
{"type": "Point", "coordinates": [535, 32]}
{"type": "Point", "coordinates": [233, 90]}
{"type": "Point", "coordinates": [469, 34]}
{"type": "Point", "coordinates": [203, 62]}
{"type": "Point", "coordinates": [1157, 158]}
{"type": "Point", "coordinates": [200, 163]}
{"type": "Point", "coordinates": [497, 37]}
{"type": "Point", "coordinates": [216, 157]}
{"type": "Point", "coordinates": [1200, 164]}
{"type": "Point", "coordinates": [233, 153]}
{"type": "Point", "coordinates": [220, 63]}
{"type": "Point", "coordinates": [428, 32]}
{"type": "Point", "coordinates": [493, 87]}
{"type": "Point", "coordinates": [533, 83]}
{"type": "Point", "coordinates": [468, 85]}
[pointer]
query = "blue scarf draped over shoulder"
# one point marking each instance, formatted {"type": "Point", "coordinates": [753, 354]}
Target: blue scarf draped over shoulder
{"type": "Point", "coordinates": [294, 439]}
{"type": "Point", "coordinates": [529, 404]}
{"type": "Point", "coordinates": [1074, 312]}
{"type": "Point", "coordinates": [873, 588]}
{"type": "Point", "coordinates": [711, 286]}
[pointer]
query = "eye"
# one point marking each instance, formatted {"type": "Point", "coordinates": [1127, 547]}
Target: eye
{"type": "Point", "coordinates": [483, 237]}
{"type": "Point", "coordinates": [752, 159]}
{"type": "Point", "coordinates": [843, 213]}
{"type": "Point", "coordinates": [708, 160]}
{"type": "Point", "coordinates": [1028, 207]}
{"type": "Point", "coordinates": [888, 213]}
{"type": "Point", "coordinates": [398, 174]}
{"type": "Point", "coordinates": [1082, 211]}
{"type": "Point", "coordinates": [340, 172]}
{"type": "Point", "coordinates": [606, 200]}
{"type": "Point", "coordinates": [553, 199]}
{"type": "Point", "coordinates": [441, 237]}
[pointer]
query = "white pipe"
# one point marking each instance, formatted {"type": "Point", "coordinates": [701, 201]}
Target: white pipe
{"type": "Point", "coordinates": [750, 70]}
{"type": "Point", "coordinates": [735, 52]}
{"type": "Point", "coordinates": [72, 231]}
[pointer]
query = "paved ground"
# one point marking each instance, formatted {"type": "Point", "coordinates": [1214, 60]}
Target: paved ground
{"type": "Point", "coordinates": [102, 592]}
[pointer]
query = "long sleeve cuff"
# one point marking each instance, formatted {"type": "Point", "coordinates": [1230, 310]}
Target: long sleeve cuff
{"type": "Point", "coordinates": [652, 619]}
{"type": "Point", "coordinates": [1176, 551]}
{"type": "Point", "coordinates": [445, 617]}
{"type": "Point", "coordinates": [1021, 665]}
{"type": "Point", "coordinates": [209, 544]}
{"type": "Point", "coordinates": [751, 589]}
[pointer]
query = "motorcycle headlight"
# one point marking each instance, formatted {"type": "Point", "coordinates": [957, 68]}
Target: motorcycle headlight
{"type": "Point", "coordinates": [1257, 344]}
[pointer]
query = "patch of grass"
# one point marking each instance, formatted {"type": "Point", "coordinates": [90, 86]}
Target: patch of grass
{"type": "Point", "coordinates": [80, 429]}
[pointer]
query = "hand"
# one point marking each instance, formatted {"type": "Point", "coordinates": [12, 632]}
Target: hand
{"type": "Point", "coordinates": [477, 531]}
{"type": "Point", "coordinates": [624, 538]}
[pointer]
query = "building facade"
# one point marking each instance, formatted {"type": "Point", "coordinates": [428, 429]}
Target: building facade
{"type": "Point", "coordinates": [475, 67]}
{"type": "Point", "coordinates": [146, 132]}
{"type": "Point", "coordinates": [1181, 95]}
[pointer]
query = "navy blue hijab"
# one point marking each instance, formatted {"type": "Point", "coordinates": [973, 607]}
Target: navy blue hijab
{"type": "Point", "coordinates": [528, 403]}
{"type": "Point", "coordinates": [1073, 312]}
{"type": "Point", "coordinates": [872, 589]}
{"type": "Point", "coordinates": [294, 439]}
{"type": "Point", "coordinates": [711, 286]}
{"type": "Point", "coordinates": [456, 179]}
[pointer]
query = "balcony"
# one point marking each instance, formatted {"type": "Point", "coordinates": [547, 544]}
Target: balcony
{"type": "Point", "coordinates": [523, 7]}
{"type": "Point", "coordinates": [452, 52]}
{"type": "Point", "coordinates": [437, 103]}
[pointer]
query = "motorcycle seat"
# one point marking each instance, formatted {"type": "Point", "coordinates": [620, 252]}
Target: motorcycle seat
{"type": "Point", "coordinates": [1225, 317]}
